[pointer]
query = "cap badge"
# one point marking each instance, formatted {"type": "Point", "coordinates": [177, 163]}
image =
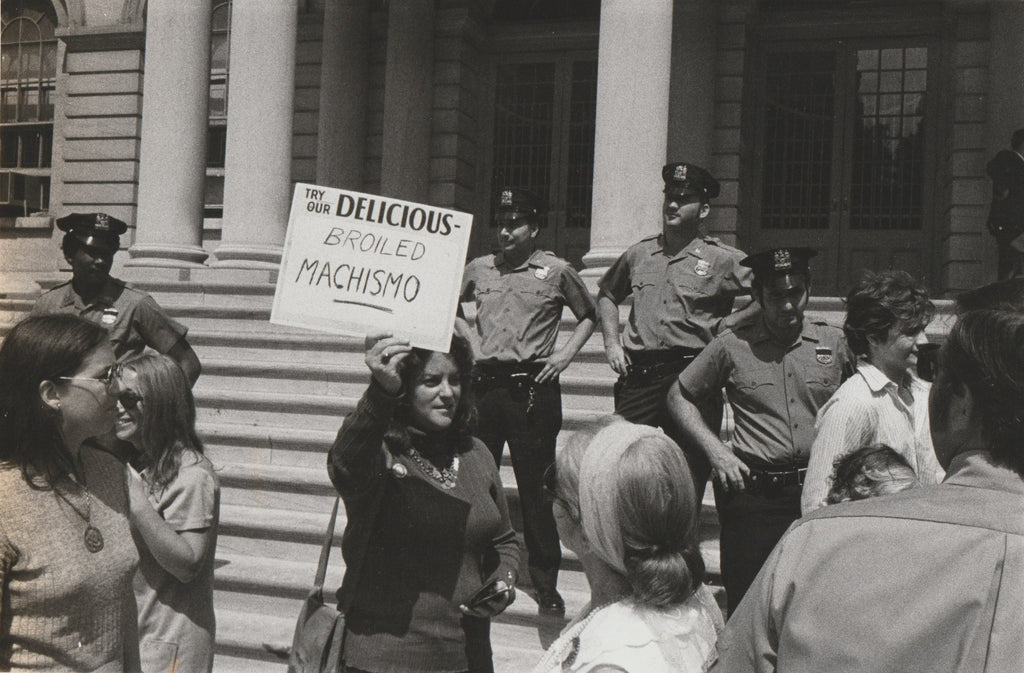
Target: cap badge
{"type": "Point", "coordinates": [109, 316]}
{"type": "Point", "coordinates": [781, 260]}
{"type": "Point", "coordinates": [506, 197]}
{"type": "Point", "coordinates": [823, 356]}
{"type": "Point", "coordinates": [102, 222]}
{"type": "Point", "coordinates": [680, 172]}
{"type": "Point", "coordinates": [702, 268]}
{"type": "Point", "coordinates": [399, 470]}
{"type": "Point", "coordinates": [542, 272]}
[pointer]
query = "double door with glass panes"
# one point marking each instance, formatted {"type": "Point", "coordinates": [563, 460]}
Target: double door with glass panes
{"type": "Point", "coordinates": [843, 156]}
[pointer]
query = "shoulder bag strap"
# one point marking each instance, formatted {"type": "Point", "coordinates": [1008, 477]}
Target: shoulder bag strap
{"type": "Point", "coordinates": [325, 553]}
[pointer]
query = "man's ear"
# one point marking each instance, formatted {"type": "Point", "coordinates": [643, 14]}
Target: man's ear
{"type": "Point", "coordinates": [49, 395]}
{"type": "Point", "coordinates": [705, 208]}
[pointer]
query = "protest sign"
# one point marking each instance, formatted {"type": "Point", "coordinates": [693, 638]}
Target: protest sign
{"type": "Point", "coordinates": [360, 263]}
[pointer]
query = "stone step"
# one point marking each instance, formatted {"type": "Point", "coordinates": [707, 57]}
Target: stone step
{"type": "Point", "coordinates": [350, 380]}
{"type": "Point", "coordinates": [311, 412]}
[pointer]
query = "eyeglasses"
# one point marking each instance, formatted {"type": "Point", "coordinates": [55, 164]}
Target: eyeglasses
{"type": "Point", "coordinates": [108, 378]}
{"type": "Point", "coordinates": [928, 362]}
{"type": "Point", "coordinates": [129, 399]}
{"type": "Point", "coordinates": [549, 486]}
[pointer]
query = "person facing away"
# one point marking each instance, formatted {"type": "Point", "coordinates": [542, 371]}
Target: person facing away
{"type": "Point", "coordinates": [868, 472]}
{"type": "Point", "coordinates": [66, 553]}
{"type": "Point", "coordinates": [174, 512]}
{"type": "Point", "coordinates": [429, 549]}
{"type": "Point", "coordinates": [884, 401]}
{"type": "Point", "coordinates": [683, 283]}
{"type": "Point", "coordinates": [625, 504]}
{"type": "Point", "coordinates": [929, 579]}
{"type": "Point", "coordinates": [520, 293]}
{"type": "Point", "coordinates": [778, 371]}
{"type": "Point", "coordinates": [1006, 214]}
{"type": "Point", "coordinates": [133, 318]}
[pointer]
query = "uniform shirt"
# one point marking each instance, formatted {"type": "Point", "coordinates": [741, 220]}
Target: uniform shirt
{"type": "Point", "coordinates": [518, 309]}
{"type": "Point", "coordinates": [678, 301]}
{"type": "Point", "coordinates": [868, 410]}
{"type": "Point", "coordinates": [774, 391]}
{"type": "Point", "coordinates": [176, 619]}
{"type": "Point", "coordinates": [133, 319]}
{"type": "Point", "coordinates": [930, 579]}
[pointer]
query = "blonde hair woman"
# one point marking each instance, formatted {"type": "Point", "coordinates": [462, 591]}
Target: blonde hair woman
{"type": "Point", "coordinates": [625, 503]}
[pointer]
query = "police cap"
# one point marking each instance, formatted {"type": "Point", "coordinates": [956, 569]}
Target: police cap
{"type": "Point", "coordinates": [515, 203]}
{"type": "Point", "coordinates": [682, 179]}
{"type": "Point", "coordinates": [777, 266]}
{"type": "Point", "coordinates": [93, 229]}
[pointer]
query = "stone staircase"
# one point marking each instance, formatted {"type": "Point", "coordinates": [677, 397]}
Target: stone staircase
{"type": "Point", "coordinates": [270, 401]}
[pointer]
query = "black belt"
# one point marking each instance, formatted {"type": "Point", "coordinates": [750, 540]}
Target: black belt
{"type": "Point", "coordinates": [772, 482]}
{"type": "Point", "coordinates": [647, 366]}
{"type": "Point", "coordinates": [519, 376]}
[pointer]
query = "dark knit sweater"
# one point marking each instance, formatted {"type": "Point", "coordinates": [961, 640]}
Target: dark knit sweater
{"type": "Point", "coordinates": [413, 550]}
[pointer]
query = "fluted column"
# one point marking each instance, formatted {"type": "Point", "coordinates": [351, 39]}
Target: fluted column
{"type": "Point", "coordinates": [344, 85]}
{"type": "Point", "coordinates": [172, 155]}
{"type": "Point", "coordinates": [408, 100]}
{"type": "Point", "coordinates": [257, 170]}
{"type": "Point", "coordinates": [633, 73]}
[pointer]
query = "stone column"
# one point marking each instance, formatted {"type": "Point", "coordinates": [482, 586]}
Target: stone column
{"type": "Point", "coordinates": [257, 171]}
{"type": "Point", "coordinates": [691, 111]}
{"type": "Point", "coordinates": [172, 157]}
{"type": "Point", "coordinates": [1005, 101]}
{"type": "Point", "coordinates": [408, 100]}
{"type": "Point", "coordinates": [344, 65]}
{"type": "Point", "coordinates": [633, 73]}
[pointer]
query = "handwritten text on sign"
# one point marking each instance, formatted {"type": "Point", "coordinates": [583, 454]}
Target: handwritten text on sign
{"type": "Point", "coordinates": [359, 263]}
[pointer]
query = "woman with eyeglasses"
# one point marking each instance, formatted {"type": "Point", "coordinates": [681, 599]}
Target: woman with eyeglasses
{"type": "Point", "coordinates": [66, 551]}
{"type": "Point", "coordinates": [884, 402]}
{"type": "Point", "coordinates": [625, 503]}
{"type": "Point", "coordinates": [175, 503]}
{"type": "Point", "coordinates": [429, 549]}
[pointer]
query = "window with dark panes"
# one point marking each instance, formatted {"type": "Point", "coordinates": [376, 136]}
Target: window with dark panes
{"type": "Point", "coordinates": [28, 50]}
{"type": "Point", "coordinates": [544, 141]}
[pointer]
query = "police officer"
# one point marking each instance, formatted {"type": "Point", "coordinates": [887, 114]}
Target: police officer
{"type": "Point", "coordinates": [683, 285]}
{"type": "Point", "coordinates": [133, 319]}
{"type": "Point", "coordinates": [519, 292]}
{"type": "Point", "coordinates": [777, 371]}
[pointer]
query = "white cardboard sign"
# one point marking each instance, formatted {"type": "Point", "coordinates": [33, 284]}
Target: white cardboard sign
{"type": "Point", "coordinates": [358, 263]}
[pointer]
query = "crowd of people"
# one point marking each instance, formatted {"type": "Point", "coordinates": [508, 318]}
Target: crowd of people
{"type": "Point", "coordinates": [869, 491]}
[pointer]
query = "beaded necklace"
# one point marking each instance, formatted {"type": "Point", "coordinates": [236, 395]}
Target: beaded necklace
{"type": "Point", "coordinates": [445, 477]}
{"type": "Point", "coordinates": [567, 647]}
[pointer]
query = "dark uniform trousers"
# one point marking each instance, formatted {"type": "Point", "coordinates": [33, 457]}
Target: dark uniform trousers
{"type": "Point", "coordinates": [752, 521]}
{"type": "Point", "coordinates": [641, 397]}
{"type": "Point", "coordinates": [513, 408]}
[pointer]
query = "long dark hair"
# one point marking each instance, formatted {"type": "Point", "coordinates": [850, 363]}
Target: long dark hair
{"type": "Point", "coordinates": [397, 436]}
{"type": "Point", "coordinates": [168, 423]}
{"type": "Point", "coordinates": [985, 352]}
{"type": "Point", "coordinates": [40, 348]}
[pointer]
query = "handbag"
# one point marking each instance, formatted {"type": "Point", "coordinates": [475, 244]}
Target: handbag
{"type": "Point", "coordinates": [318, 643]}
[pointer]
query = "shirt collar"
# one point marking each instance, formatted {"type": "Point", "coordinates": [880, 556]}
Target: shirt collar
{"type": "Point", "coordinates": [809, 332]}
{"type": "Point", "coordinates": [533, 260]}
{"type": "Point", "coordinates": [694, 248]}
{"type": "Point", "coordinates": [106, 297]}
{"type": "Point", "coordinates": [979, 468]}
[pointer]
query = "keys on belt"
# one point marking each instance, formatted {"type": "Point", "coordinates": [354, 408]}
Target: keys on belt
{"type": "Point", "coordinates": [522, 381]}
{"type": "Point", "coordinates": [773, 482]}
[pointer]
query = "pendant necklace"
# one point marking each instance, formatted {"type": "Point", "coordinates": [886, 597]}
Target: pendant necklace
{"type": "Point", "coordinates": [93, 537]}
{"type": "Point", "coordinates": [445, 477]}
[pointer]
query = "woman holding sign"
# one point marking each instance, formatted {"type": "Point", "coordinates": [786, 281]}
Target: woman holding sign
{"type": "Point", "coordinates": [429, 549]}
